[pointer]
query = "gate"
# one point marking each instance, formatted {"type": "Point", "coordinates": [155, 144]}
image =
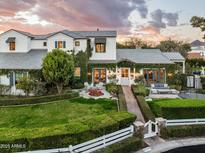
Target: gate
{"type": "Point", "coordinates": [151, 129]}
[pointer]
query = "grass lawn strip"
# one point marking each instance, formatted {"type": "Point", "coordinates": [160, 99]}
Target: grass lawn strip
{"type": "Point", "coordinates": [60, 117]}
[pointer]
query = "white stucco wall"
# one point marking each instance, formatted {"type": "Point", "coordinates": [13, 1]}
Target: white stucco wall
{"type": "Point", "coordinates": [60, 37]}
{"type": "Point", "coordinates": [110, 53]}
{"type": "Point", "coordinates": [38, 44]}
{"type": "Point", "coordinates": [83, 45]}
{"type": "Point", "coordinates": [22, 42]}
{"type": "Point", "coordinates": [4, 80]}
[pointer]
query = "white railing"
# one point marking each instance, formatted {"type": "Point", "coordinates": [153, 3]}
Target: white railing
{"type": "Point", "coordinates": [95, 144]}
{"type": "Point", "coordinates": [151, 128]}
{"type": "Point", "coordinates": [182, 122]}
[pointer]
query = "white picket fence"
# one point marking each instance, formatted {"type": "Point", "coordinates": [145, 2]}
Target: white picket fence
{"type": "Point", "coordinates": [181, 122]}
{"type": "Point", "coordinates": [95, 144]}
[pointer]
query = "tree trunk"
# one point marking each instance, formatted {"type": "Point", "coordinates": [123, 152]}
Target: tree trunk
{"type": "Point", "coordinates": [59, 87]}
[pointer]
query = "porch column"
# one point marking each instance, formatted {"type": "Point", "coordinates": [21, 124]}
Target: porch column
{"type": "Point", "coordinates": [165, 76]}
{"type": "Point", "coordinates": [117, 75]}
{"type": "Point", "coordinates": [183, 71]}
{"type": "Point", "coordinates": [134, 73]}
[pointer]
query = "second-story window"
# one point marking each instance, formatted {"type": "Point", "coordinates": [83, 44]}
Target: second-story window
{"type": "Point", "coordinates": [99, 47]}
{"type": "Point", "coordinates": [60, 44]}
{"type": "Point", "coordinates": [44, 44]}
{"type": "Point", "coordinates": [12, 46]}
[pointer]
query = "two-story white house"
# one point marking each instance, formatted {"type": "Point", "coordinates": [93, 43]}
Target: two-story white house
{"type": "Point", "coordinates": [21, 52]}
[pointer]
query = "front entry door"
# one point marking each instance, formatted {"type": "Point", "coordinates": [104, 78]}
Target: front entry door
{"type": "Point", "coordinates": [125, 74]}
{"type": "Point", "coordinates": [99, 75]}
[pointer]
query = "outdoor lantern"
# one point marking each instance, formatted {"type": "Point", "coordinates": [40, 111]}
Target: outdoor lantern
{"type": "Point", "coordinates": [89, 73]}
{"type": "Point", "coordinates": [170, 74]}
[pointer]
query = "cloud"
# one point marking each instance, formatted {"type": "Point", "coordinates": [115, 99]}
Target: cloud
{"type": "Point", "coordinates": [162, 19]}
{"type": "Point", "coordinates": [10, 7]}
{"type": "Point", "coordinates": [74, 14]}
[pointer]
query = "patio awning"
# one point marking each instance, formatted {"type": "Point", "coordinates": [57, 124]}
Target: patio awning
{"type": "Point", "coordinates": [11, 40]}
{"type": "Point", "coordinates": [100, 40]}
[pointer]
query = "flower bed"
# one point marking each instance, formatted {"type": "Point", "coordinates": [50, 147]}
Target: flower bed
{"type": "Point", "coordinates": [95, 92]}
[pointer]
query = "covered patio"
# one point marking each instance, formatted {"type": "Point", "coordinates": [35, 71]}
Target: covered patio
{"type": "Point", "coordinates": [147, 62]}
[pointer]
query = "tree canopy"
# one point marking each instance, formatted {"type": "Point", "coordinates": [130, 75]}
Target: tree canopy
{"type": "Point", "coordinates": [198, 22]}
{"type": "Point", "coordinates": [175, 46]}
{"type": "Point", "coordinates": [134, 43]}
{"type": "Point", "coordinates": [58, 68]}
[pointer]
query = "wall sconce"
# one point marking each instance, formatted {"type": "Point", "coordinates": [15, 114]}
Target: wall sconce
{"type": "Point", "coordinates": [170, 74]}
{"type": "Point", "coordinates": [89, 73]}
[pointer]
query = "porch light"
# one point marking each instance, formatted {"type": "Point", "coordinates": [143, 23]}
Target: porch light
{"type": "Point", "coordinates": [170, 74]}
{"type": "Point", "coordinates": [89, 73]}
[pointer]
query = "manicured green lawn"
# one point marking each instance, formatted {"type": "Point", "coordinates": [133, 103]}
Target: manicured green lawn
{"type": "Point", "coordinates": [178, 108]}
{"type": "Point", "coordinates": [58, 117]}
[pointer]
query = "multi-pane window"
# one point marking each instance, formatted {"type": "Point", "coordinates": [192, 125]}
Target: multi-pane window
{"type": "Point", "coordinates": [100, 47]}
{"type": "Point", "coordinates": [12, 46]}
{"type": "Point", "coordinates": [77, 72]}
{"type": "Point", "coordinates": [60, 44]}
{"type": "Point", "coordinates": [77, 43]}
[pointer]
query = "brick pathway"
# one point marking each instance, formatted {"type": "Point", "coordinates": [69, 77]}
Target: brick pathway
{"type": "Point", "coordinates": [132, 105]}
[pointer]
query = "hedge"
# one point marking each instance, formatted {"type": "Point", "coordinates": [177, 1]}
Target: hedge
{"type": "Point", "coordinates": [121, 99]}
{"type": "Point", "coordinates": [36, 100]}
{"type": "Point", "coordinates": [182, 131]}
{"type": "Point", "coordinates": [145, 109]}
{"type": "Point", "coordinates": [178, 108]}
{"type": "Point", "coordinates": [104, 124]}
{"type": "Point", "coordinates": [131, 144]}
{"type": "Point", "coordinates": [140, 90]}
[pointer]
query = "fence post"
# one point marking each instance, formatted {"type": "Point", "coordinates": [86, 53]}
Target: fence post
{"type": "Point", "coordinates": [161, 122]}
{"type": "Point", "coordinates": [138, 128]}
{"type": "Point", "coordinates": [70, 148]}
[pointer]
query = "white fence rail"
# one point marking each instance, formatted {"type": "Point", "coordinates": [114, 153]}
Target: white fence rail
{"type": "Point", "coordinates": [182, 122]}
{"type": "Point", "coordinates": [95, 144]}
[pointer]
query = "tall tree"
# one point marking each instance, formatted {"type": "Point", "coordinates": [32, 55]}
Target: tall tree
{"type": "Point", "coordinates": [174, 46]}
{"type": "Point", "coordinates": [198, 22]}
{"type": "Point", "coordinates": [133, 43]}
{"type": "Point", "coordinates": [58, 68]}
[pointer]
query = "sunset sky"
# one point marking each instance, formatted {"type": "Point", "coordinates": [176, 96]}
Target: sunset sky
{"type": "Point", "coordinates": [150, 20]}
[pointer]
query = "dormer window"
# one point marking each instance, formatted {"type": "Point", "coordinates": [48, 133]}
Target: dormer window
{"type": "Point", "coordinates": [12, 43]}
{"type": "Point", "coordinates": [12, 46]}
{"type": "Point", "coordinates": [100, 48]}
{"type": "Point", "coordinates": [60, 44]}
{"type": "Point", "coordinates": [100, 45]}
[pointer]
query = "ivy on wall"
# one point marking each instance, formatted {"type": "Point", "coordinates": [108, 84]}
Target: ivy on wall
{"type": "Point", "coordinates": [81, 61]}
{"type": "Point", "coordinates": [169, 67]}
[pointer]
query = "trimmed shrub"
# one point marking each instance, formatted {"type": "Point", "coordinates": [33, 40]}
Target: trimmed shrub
{"type": "Point", "coordinates": [112, 88]}
{"type": "Point", "coordinates": [121, 99]}
{"type": "Point", "coordinates": [182, 131]}
{"type": "Point", "coordinates": [26, 84]}
{"type": "Point", "coordinates": [87, 129]}
{"type": "Point", "coordinates": [124, 120]}
{"type": "Point", "coordinates": [203, 82]}
{"type": "Point", "coordinates": [146, 111]}
{"type": "Point", "coordinates": [140, 90]}
{"type": "Point", "coordinates": [131, 144]}
{"type": "Point", "coordinates": [36, 100]}
{"type": "Point", "coordinates": [77, 84]}
{"type": "Point", "coordinates": [178, 108]}
{"type": "Point", "coordinates": [4, 89]}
